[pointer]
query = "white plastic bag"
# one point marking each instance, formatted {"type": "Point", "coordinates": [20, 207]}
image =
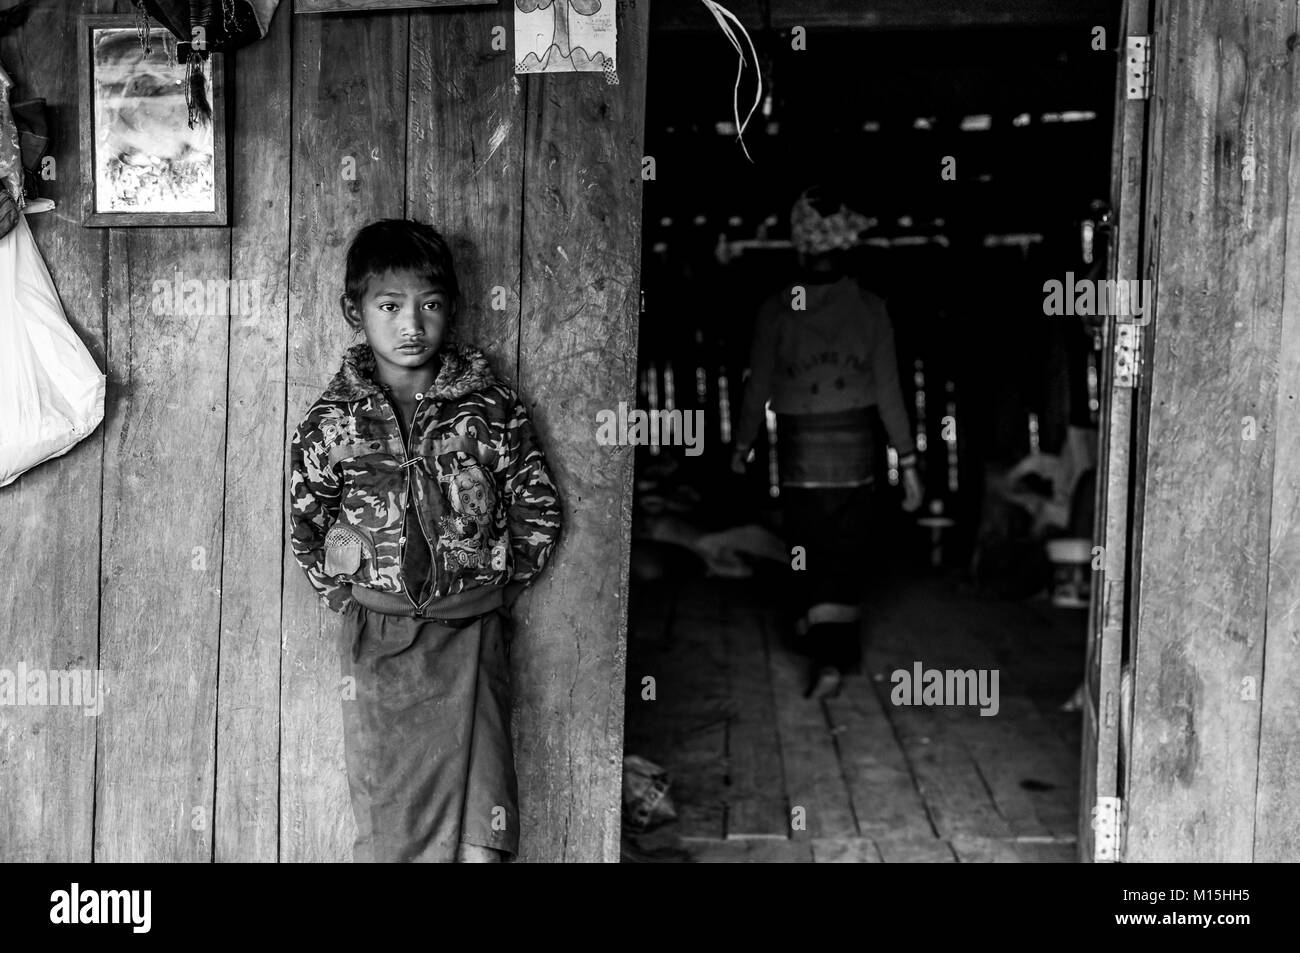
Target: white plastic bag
{"type": "Point", "coordinates": [51, 391]}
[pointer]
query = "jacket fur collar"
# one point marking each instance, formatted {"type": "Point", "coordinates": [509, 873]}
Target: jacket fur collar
{"type": "Point", "coordinates": [464, 370]}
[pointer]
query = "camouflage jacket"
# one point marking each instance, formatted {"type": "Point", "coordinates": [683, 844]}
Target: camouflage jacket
{"type": "Point", "coordinates": [484, 498]}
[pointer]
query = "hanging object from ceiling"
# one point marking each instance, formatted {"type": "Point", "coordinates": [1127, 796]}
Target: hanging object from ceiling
{"type": "Point", "coordinates": [202, 27]}
{"type": "Point", "coordinates": [723, 15]}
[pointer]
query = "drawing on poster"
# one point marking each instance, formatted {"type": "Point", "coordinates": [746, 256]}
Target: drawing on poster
{"type": "Point", "coordinates": [561, 36]}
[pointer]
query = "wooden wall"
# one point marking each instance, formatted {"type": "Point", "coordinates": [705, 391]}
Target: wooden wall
{"type": "Point", "coordinates": [1215, 756]}
{"type": "Point", "coordinates": [156, 550]}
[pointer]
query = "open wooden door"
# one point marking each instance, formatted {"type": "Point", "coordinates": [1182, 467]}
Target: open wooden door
{"type": "Point", "coordinates": [1100, 806]}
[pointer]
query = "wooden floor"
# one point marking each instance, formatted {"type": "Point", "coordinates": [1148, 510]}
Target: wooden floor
{"type": "Point", "coordinates": [876, 782]}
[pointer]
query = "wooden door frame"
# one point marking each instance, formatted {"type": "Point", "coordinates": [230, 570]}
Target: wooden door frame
{"type": "Point", "coordinates": [1121, 461]}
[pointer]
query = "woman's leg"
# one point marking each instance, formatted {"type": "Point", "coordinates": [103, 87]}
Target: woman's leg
{"type": "Point", "coordinates": [840, 608]}
{"type": "Point", "coordinates": [802, 529]}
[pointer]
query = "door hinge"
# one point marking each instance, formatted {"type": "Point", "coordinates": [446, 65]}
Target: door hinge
{"type": "Point", "coordinates": [1106, 827]}
{"type": "Point", "coordinates": [1137, 67]}
{"type": "Point", "coordinates": [1128, 354]}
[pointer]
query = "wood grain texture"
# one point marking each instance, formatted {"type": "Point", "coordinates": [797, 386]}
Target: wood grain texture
{"type": "Point", "coordinates": [1277, 797]}
{"type": "Point", "coordinates": [915, 850]}
{"type": "Point", "coordinates": [49, 517]}
{"type": "Point", "coordinates": [1225, 116]}
{"type": "Point", "coordinates": [579, 304]}
{"type": "Point", "coordinates": [161, 567]}
{"type": "Point", "coordinates": [1099, 764]}
{"type": "Point", "coordinates": [349, 99]}
{"type": "Point", "coordinates": [848, 851]}
{"type": "Point", "coordinates": [957, 798]}
{"type": "Point", "coordinates": [885, 798]}
{"type": "Point", "coordinates": [752, 852]}
{"type": "Point", "coordinates": [465, 148]}
{"type": "Point", "coordinates": [248, 696]}
{"type": "Point", "coordinates": [756, 802]}
{"type": "Point", "coordinates": [814, 780]}
{"type": "Point", "coordinates": [684, 727]}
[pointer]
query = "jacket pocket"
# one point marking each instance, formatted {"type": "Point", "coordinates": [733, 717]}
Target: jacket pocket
{"type": "Point", "coordinates": [344, 548]}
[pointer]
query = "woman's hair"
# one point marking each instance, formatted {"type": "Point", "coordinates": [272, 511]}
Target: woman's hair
{"type": "Point", "coordinates": [824, 199]}
{"type": "Point", "coordinates": [395, 244]}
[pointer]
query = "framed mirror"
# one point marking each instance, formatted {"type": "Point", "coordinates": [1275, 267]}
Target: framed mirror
{"type": "Point", "coordinates": [142, 161]}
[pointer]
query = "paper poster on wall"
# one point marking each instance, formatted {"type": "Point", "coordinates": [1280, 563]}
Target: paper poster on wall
{"type": "Point", "coordinates": [562, 36]}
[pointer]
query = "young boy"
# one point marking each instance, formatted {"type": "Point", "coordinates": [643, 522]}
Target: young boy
{"type": "Point", "coordinates": [421, 505]}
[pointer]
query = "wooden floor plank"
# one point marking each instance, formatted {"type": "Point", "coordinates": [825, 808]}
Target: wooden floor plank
{"type": "Point", "coordinates": [984, 850]}
{"type": "Point", "coordinates": [751, 852]}
{"type": "Point", "coordinates": [919, 784]}
{"type": "Point", "coordinates": [936, 626]}
{"type": "Point", "coordinates": [756, 797]}
{"type": "Point", "coordinates": [813, 776]}
{"type": "Point", "coordinates": [683, 728]}
{"type": "Point", "coordinates": [915, 850]}
{"type": "Point", "coordinates": [860, 850]}
{"type": "Point", "coordinates": [1060, 852]}
{"type": "Point", "coordinates": [946, 774]}
{"type": "Point", "coordinates": [884, 794]}
{"type": "Point", "coordinates": [954, 790]}
{"type": "Point", "coordinates": [1005, 762]}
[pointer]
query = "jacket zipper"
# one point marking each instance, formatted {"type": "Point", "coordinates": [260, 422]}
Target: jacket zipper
{"type": "Point", "coordinates": [406, 465]}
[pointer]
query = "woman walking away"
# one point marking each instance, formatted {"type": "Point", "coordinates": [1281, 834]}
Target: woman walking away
{"type": "Point", "coordinates": [823, 355]}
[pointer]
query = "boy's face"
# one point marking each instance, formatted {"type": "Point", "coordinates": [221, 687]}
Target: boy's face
{"type": "Point", "coordinates": [404, 317]}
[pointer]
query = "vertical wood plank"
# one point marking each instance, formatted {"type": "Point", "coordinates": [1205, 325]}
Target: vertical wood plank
{"type": "Point", "coordinates": [1277, 798]}
{"type": "Point", "coordinates": [248, 697]}
{"type": "Point", "coordinates": [1225, 114]}
{"type": "Point", "coordinates": [161, 562]}
{"type": "Point", "coordinates": [465, 146]}
{"type": "Point", "coordinates": [1099, 758]}
{"type": "Point", "coordinates": [814, 779]}
{"type": "Point", "coordinates": [349, 99]}
{"type": "Point", "coordinates": [581, 262]}
{"type": "Point", "coordinates": [756, 802]}
{"type": "Point", "coordinates": [684, 728]}
{"type": "Point", "coordinates": [49, 518]}
{"type": "Point", "coordinates": [884, 796]}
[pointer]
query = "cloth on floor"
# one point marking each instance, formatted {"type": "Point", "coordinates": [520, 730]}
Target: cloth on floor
{"type": "Point", "coordinates": [724, 552]}
{"type": "Point", "coordinates": [646, 802]}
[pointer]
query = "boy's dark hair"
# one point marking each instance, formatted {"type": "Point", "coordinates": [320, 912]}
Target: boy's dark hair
{"type": "Point", "coordinates": [396, 244]}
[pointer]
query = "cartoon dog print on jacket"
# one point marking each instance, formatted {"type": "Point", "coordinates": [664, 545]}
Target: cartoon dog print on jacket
{"type": "Point", "coordinates": [468, 533]}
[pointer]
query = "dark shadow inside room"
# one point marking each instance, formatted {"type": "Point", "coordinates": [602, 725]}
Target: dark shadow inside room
{"type": "Point", "coordinates": [980, 159]}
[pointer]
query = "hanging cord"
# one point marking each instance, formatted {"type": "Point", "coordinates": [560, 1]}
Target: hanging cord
{"type": "Point", "coordinates": [230, 20]}
{"type": "Point", "coordinates": [196, 92]}
{"type": "Point", "coordinates": [722, 15]}
{"type": "Point", "coordinates": [142, 27]}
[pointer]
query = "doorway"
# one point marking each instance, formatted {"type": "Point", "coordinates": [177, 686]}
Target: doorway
{"type": "Point", "coordinates": [981, 159]}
